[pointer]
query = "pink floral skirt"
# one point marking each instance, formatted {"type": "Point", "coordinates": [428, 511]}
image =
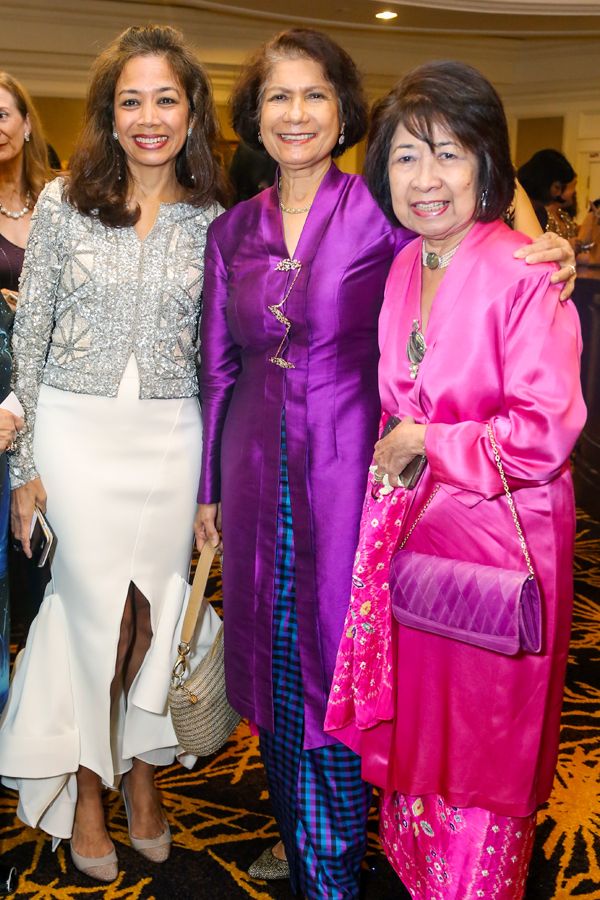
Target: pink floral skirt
{"type": "Point", "coordinates": [445, 853]}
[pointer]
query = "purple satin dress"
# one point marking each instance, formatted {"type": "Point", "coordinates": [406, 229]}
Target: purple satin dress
{"type": "Point", "coordinates": [331, 405]}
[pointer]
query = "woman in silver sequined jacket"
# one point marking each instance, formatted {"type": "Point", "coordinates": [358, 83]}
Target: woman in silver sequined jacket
{"type": "Point", "coordinates": [105, 351]}
{"type": "Point", "coordinates": [92, 295]}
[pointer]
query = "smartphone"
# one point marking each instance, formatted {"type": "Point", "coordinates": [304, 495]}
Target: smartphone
{"type": "Point", "coordinates": [409, 476]}
{"type": "Point", "coordinates": [41, 538]}
{"type": "Point", "coordinates": [411, 473]}
{"type": "Point", "coordinates": [390, 425]}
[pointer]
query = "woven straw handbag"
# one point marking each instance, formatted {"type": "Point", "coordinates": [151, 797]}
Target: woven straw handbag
{"type": "Point", "coordinates": [201, 715]}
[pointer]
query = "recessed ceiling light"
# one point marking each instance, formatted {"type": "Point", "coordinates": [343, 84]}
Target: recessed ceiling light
{"type": "Point", "coordinates": [386, 14]}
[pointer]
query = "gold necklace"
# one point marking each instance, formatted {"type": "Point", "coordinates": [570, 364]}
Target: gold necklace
{"type": "Point", "coordinates": [292, 210]}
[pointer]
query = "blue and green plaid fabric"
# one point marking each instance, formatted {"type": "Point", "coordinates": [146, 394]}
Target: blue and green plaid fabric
{"type": "Point", "coordinates": [319, 799]}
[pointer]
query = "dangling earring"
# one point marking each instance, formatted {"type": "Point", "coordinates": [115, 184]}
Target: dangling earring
{"type": "Point", "coordinates": [189, 131]}
{"type": "Point", "coordinates": [115, 135]}
{"type": "Point", "coordinates": [259, 138]}
{"type": "Point", "coordinates": [484, 199]}
{"type": "Point", "coordinates": [342, 136]}
{"type": "Point", "coordinates": [26, 136]}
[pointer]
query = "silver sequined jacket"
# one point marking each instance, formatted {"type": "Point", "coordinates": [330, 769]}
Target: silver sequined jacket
{"type": "Point", "coordinates": [91, 295]}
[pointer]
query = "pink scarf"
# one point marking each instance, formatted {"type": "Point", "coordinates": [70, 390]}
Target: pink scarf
{"type": "Point", "coordinates": [361, 692]}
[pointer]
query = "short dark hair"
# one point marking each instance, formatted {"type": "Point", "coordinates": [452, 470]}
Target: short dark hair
{"type": "Point", "coordinates": [458, 98]}
{"type": "Point", "coordinates": [540, 172]}
{"type": "Point", "coordinates": [98, 183]}
{"type": "Point", "coordinates": [297, 43]}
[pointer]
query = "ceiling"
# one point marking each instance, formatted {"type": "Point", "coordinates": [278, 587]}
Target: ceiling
{"type": "Point", "coordinates": [510, 18]}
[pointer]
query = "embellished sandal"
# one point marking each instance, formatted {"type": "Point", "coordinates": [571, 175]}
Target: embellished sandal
{"type": "Point", "coordinates": [269, 867]}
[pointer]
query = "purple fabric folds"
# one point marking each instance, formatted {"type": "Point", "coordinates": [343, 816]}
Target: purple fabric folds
{"type": "Point", "coordinates": [331, 410]}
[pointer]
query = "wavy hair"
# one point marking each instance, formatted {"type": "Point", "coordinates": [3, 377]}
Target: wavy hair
{"type": "Point", "coordinates": [301, 43]}
{"type": "Point", "coordinates": [36, 170]}
{"type": "Point", "coordinates": [99, 179]}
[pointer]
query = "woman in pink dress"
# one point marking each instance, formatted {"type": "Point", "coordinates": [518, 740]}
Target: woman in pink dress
{"type": "Point", "coordinates": [463, 741]}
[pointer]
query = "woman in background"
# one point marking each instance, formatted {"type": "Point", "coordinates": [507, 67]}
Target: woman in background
{"type": "Point", "coordinates": [24, 171]}
{"type": "Point", "coordinates": [105, 358]}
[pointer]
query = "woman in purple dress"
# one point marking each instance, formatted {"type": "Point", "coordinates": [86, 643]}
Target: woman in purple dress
{"type": "Point", "coordinates": [293, 286]}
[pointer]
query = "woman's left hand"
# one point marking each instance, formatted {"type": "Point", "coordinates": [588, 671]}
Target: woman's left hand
{"type": "Point", "coordinates": [394, 452]}
{"type": "Point", "coordinates": [549, 247]}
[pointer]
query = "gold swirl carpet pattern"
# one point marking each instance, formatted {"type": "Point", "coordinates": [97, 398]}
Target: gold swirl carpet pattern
{"type": "Point", "coordinates": [221, 819]}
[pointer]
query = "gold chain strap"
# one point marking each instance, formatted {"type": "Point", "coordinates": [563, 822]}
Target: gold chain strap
{"type": "Point", "coordinates": [419, 517]}
{"type": "Point", "coordinates": [511, 505]}
{"type": "Point", "coordinates": [511, 502]}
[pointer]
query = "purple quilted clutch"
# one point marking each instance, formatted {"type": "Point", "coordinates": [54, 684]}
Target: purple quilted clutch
{"type": "Point", "coordinates": [497, 609]}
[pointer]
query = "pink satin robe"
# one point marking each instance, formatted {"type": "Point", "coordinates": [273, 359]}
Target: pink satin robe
{"type": "Point", "coordinates": [478, 728]}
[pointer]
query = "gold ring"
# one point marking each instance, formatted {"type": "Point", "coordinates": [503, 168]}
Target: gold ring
{"type": "Point", "coordinates": [573, 270]}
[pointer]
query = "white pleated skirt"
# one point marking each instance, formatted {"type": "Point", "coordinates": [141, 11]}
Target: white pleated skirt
{"type": "Point", "coordinates": [121, 476]}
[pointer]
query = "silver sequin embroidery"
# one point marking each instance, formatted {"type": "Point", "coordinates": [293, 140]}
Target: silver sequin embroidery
{"type": "Point", "coordinates": [91, 296]}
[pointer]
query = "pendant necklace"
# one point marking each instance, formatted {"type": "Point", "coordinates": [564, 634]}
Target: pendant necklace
{"type": "Point", "coordinates": [277, 309]}
{"type": "Point", "coordinates": [435, 261]}
{"type": "Point", "coordinates": [20, 212]}
{"type": "Point", "coordinates": [415, 349]}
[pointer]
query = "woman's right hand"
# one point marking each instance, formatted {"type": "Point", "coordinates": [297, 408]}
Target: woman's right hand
{"type": "Point", "coordinates": [23, 501]}
{"type": "Point", "coordinates": [207, 525]}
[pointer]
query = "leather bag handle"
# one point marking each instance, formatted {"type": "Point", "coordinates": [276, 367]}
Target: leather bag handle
{"type": "Point", "coordinates": [197, 603]}
{"type": "Point", "coordinates": [197, 606]}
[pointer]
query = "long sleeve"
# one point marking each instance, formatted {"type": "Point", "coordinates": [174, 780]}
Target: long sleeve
{"type": "Point", "coordinates": [34, 322]}
{"type": "Point", "coordinates": [544, 409]}
{"type": "Point", "coordinates": [219, 367]}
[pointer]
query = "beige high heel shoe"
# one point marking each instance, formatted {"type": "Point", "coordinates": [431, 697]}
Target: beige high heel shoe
{"type": "Point", "coordinates": [155, 849]}
{"type": "Point", "coordinates": [102, 868]}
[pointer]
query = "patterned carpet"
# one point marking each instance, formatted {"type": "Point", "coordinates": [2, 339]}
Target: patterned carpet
{"type": "Point", "coordinates": [221, 819]}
